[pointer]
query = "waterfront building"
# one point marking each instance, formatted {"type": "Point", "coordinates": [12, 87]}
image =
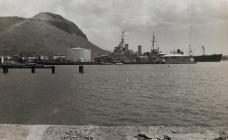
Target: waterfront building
{"type": "Point", "coordinates": [44, 58]}
{"type": "Point", "coordinates": [104, 58]}
{"type": "Point", "coordinates": [59, 57]}
{"type": "Point", "coordinates": [78, 55]}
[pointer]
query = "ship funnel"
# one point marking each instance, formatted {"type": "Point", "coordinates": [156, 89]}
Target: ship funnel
{"type": "Point", "coordinates": [139, 50]}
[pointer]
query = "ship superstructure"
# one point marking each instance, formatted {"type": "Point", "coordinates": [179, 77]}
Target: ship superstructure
{"type": "Point", "coordinates": [122, 53]}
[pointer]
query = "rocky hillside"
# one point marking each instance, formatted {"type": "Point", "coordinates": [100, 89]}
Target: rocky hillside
{"type": "Point", "coordinates": [45, 34]}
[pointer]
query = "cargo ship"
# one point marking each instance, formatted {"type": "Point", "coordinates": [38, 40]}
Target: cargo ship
{"type": "Point", "coordinates": [208, 58]}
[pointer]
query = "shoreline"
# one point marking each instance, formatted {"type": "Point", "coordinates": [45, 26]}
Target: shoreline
{"type": "Point", "coordinates": [87, 132]}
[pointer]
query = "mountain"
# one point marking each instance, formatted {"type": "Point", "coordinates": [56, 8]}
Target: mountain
{"type": "Point", "coordinates": [6, 22]}
{"type": "Point", "coordinates": [45, 34]}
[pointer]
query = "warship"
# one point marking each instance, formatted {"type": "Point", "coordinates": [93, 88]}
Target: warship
{"type": "Point", "coordinates": [123, 55]}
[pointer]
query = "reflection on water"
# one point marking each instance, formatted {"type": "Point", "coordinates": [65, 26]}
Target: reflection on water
{"type": "Point", "coordinates": [180, 95]}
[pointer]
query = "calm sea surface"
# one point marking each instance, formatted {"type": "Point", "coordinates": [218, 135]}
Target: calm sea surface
{"type": "Point", "coordinates": [180, 95]}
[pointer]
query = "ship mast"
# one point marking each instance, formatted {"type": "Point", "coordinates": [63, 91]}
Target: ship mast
{"type": "Point", "coordinates": [190, 50]}
{"type": "Point", "coordinates": [153, 42]}
{"type": "Point", "coordinates": [190, 27]}
{"type": "Point", "coordinates": [122, 39]}
{"type": "Point", "coordinates": [203, 50]}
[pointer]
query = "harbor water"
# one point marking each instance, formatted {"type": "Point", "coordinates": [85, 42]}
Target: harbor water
{"type": "Point", "coordinates": [114, 95]}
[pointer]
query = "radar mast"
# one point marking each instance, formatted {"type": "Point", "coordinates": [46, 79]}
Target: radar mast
{"type": "Point", "coordinates": [122, 39]}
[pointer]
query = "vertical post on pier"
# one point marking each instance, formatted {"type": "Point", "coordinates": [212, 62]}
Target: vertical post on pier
{"type": "Point", "coordinates": [2, 60]}
{"type": "Point", "coordinates": [5, 69]}
{"type": "Point", "coordinates": [52, 69]}
{"type": "Point", "coordinates": [33, 69]}
{"type": "Point", "coordinates": [81, 69]}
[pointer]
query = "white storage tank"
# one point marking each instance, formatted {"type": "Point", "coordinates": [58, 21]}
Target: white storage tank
{"type": "Point", "coordinates": [79, 55]}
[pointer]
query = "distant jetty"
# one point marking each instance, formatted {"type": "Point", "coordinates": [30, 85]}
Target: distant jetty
{"type": "Point", "coordinates": [33, 67]}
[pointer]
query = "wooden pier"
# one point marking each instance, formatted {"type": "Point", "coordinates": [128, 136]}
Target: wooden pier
{"type": "Point", "coordinates": [33, 67]}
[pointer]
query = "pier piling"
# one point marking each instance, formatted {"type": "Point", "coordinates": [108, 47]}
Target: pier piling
{"type": "Point", "coordinates": [81, 69]}
{"type": "Point", "coordinates": [5, 69]}
{"type": "Point", "coordinates": [52, 69]}
{"type": "Point", "coordinates": [33, 69]}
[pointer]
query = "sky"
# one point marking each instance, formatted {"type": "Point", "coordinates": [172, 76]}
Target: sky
{"type": "Point", "coordinates": [177, 24]}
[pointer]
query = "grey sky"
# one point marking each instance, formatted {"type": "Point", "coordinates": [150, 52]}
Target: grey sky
{"type": "Point", "coordinates": [176, 23]}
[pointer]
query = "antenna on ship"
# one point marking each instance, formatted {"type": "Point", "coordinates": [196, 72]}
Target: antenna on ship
{"type": "Point", "coordinates": [190, 27]}
{"type": "Point", "coordinates": [153, 42]}
{"type": "Point", "coordinates": [190, 50]}
{"type": "Point", "coordinates": [203, 49]}
{"type": "Point", "coordinates": [122, 38]}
